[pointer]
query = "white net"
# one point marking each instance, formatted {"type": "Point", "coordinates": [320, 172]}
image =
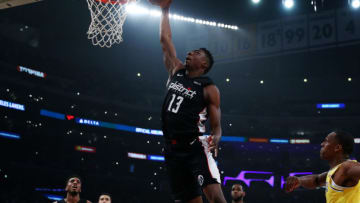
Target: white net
{"type": "Point", "coordinates": [107, 19]}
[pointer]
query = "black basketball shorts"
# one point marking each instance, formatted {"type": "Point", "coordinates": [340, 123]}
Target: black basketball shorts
{"type": "Point", "coordinates": [190, 167]}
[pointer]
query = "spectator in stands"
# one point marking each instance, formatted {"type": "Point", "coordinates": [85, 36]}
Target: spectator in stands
{"type": "Point", "coordinates": [105, 198]}
{"type": "Point", "coordinates": [73, 190]}
{"type": "Point", "coordinates": [237, 194]}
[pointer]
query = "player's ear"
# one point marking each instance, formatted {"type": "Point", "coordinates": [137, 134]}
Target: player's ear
{"type": "Point", "coordinates": [204, 65]}
{"type": "Point", "coordinates": [244, 193]}
{"type": "Point", "coordinates": [338, 147]}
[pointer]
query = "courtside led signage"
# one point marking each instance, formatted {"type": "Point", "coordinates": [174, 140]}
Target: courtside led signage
{"type": "Point", "coordinates": [54, 197]}
{"type": "Point", "coordinates": [136, 155]}
{"type": "Point", "coordinates": [70, 117]}
{"type": "Point", "coordinates": [85, 149]}
{"type": "Point", "coordinates": [233, 139]}
{"type": "Point", "coordinates": [259, 140]}
{"type": "Point", "coordinates": [9, 135]}
{"type": "Point", "coordinates": [31, 72]}
{"type": "Point", "coordinates": [11, 105]}
{"type": "Point", "coordinates": [52, 114]}
{"type": "Point", "coordinates": [331, 106]}
{"type": "Point", "coordinates": [49, 190]}
{"type": "Point", "coordinates": [281, 141]}
{"type": "Point", "coordinates": [300, 141]}
{"type": "Point", "coordinates": [156, 158]}
{"type": "Point", "coordinates": [146, 156]}
{"type": "Point", "coordinates": [87, 122]}
{"type": "Point", "coordinates": [262, 176]}
{"type": "Point", "coordinates": [133, 129]}
{"type": "Point", "coordinates": [148, 131]}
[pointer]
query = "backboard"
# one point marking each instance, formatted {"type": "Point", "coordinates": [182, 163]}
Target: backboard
{"type": "Point", "coordinates": [4, 4]}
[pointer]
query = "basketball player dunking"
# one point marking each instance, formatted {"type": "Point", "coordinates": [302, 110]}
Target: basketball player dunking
{"type": "Point", "coordinates": [342, 180]}
{"type": "Point", "coordinates": [191, 98]}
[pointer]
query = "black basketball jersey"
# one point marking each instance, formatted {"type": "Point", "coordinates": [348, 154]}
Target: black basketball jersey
{"type": "Point", "coordinates": [184, 110]}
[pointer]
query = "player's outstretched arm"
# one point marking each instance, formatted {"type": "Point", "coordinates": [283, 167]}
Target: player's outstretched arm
{"type": "Point", "coordinates": [308, 182]}
{"type": "Point", "coordinates": [172, 63]}
{"type": "Point", "coordinates": [212, 96]}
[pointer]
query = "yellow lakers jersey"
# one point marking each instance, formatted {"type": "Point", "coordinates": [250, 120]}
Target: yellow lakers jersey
{"type": "Point", "coordinates": [339, 194]}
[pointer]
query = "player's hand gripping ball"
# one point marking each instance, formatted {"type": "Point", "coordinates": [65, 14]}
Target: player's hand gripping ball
{"type": "Point", "coordinates": [161, 3]}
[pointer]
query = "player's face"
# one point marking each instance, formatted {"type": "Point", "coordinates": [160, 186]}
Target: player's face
{"type": "Point", "coordinates": [237, 192]}
{"type": "Point", "coordinates": [195, 60]}
{"type": "Point", "coordinates": [73, 185]}
{"type": "Point", "coordinates": [104, 199]}
{"type": "Point", "coordinates": [328, 147]}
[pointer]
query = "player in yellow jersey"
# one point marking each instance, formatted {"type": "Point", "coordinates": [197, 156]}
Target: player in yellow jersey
{"type": "Point", "coordinates": [342, 180]}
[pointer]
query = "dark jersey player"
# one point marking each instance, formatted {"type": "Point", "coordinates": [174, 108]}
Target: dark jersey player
{"type": "Point", "coordinates": [73, 190]}
{"type": "Point", "coordinates": [191, 98]}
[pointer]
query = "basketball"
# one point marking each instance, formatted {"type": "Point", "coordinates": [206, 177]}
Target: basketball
{"type": "Point", "coordinates": [161, 3]}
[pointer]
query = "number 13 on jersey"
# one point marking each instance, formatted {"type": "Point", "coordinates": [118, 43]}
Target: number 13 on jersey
{"type": "Point", "coordinates": [174, 107]}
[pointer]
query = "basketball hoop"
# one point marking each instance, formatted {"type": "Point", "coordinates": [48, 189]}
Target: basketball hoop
{"type": "Point", "coordinates": [107, 20]}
